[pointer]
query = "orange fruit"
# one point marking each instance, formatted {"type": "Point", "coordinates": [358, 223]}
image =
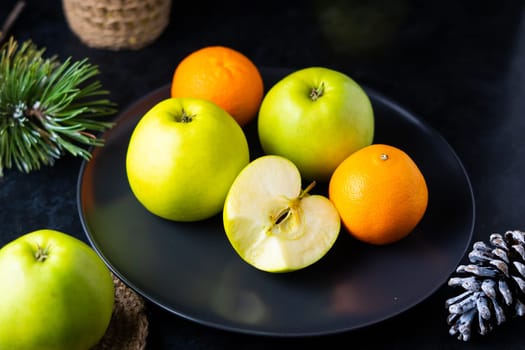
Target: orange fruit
{"type": "Point", "coordinates": [224, 76]}
{"type": "Point", "coordinates": [380, 194]}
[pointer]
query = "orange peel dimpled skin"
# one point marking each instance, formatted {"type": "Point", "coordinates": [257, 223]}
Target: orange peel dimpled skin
{"type": "Point", "coordinates": [380, 194]}
{"type": "Point", "coordinates": [224, 76]}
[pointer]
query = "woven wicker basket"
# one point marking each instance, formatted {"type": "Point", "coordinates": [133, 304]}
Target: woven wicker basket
{"type": "Point", "coordinates": [117, 24]}
{"type": "Point", "coordinates": [128, 328]}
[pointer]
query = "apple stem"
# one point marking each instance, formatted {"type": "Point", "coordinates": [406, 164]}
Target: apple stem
{"type": "Point", "coordinates": [317, 92]}
{"type": "Point", "coordinates": [185, 117]}
{"type": "Point", "coordinates": [307, 189]}
{"type": "Point", "coordinates": [41, 254]}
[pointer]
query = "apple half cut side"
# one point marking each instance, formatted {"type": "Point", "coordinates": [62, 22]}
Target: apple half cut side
{"type": "Point", "coordinates": [272, 223]}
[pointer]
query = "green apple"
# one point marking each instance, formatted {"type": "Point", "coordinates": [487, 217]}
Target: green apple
{"type": "Point", "coordinates": [316, 117]}
{"type": "Point", "coordinates": [57, 294]}
{"type": "Point", "coordinates": [272, 223]}
{"type": "Point", "coordinates": [182, 157]}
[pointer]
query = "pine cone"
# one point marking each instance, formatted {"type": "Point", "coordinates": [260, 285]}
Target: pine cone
{"type": "Point", "coordinates": [494, 286]}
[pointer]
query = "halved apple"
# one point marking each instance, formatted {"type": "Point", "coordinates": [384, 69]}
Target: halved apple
{"type": "Point", "coordinates": [272, 223]}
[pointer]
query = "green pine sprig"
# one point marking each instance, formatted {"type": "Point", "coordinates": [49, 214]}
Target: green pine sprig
{"type": "Point", "coordinates": [47, 107]}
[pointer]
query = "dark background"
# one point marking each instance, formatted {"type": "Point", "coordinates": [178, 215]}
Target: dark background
{"type": "Point", "coordinates": [459, 65]}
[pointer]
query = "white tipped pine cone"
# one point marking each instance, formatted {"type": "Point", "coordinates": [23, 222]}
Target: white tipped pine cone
{"type": "Point", "coordinates": [493, 284]}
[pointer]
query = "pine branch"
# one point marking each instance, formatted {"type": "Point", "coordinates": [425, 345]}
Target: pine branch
{"type": "Point", "coordinates": [48, 108]}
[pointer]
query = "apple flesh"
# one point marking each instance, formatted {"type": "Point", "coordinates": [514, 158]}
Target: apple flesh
{"type": "Point", "coordinates": [56, 293]}
{"type": "Point", "coordinates": [272, 223]}
{"type": "Point", "coordinates": [316, 117]}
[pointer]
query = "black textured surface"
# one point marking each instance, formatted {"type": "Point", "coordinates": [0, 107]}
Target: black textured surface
{"type": "Point", "coordinates": [460, 65]}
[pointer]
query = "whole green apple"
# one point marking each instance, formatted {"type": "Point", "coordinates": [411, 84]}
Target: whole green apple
{"type": "Point", "coordinates": [316, 117]}
{"type": "Point", "coordinates": [182, 157]}
{"type": "Point", "coordinates": [57, 294]}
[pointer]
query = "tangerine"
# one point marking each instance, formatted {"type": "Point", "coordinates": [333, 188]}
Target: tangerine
{"type": "Point", "coordinates": [224, 76]}
{"type": "Point", "coordinates": [380, 194]}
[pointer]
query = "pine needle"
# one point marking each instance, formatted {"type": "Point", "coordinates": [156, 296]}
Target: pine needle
{"type": "Point", "coordinates": [48, 108]}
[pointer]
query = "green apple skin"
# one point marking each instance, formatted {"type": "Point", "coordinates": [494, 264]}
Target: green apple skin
{"type": "Point", "coordinates": [182, 157]}
{"type": "Point", "coordinates": [57, 294]}
{"type": "Point", "coordinates": [315, 133]}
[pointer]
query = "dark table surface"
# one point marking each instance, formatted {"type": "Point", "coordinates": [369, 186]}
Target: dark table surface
{"type": "Point", "coordinates": [459, 65]}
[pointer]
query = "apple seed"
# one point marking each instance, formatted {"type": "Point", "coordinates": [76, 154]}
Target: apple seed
{"type": "Point", "coordinates": [283, 215]}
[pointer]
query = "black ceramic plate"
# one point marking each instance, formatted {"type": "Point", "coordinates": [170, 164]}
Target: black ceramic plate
{"type": "Point", "coordinates": [191, 270]}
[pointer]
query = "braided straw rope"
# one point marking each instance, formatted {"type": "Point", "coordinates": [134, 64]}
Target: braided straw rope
{"type": "Point", "coordinates": [117, 24]}
{"type": "Point", "coordinates": [128, 328]}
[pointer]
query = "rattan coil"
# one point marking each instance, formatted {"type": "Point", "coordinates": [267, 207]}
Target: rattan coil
{"type": "Point", "coordinates": [128, 328]}
{"type": "Point", "coordinates": [117, 24]}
